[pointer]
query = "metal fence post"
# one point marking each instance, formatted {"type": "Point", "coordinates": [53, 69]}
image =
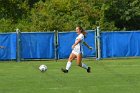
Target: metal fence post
{"type": "Point", "coordinates": [56, 44]}
{"type": "Point", "coordinates": [98, 44]}
{"type": "Point", "coordinates": [18, 45]}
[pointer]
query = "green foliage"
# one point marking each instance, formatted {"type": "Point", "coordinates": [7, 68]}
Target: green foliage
{"type": "Point", "coordinates": [104, 23]}
{"type": "Point", "coordinates": [124, 13]}
{"type": "Point", "coordinates": [65, 15]}
{"type": "Point", "coordinates": [6, 25]}
{"type": "Point", "coordinates": [62, 15]}
{"type": "Point", "coordinates": [13, 9]}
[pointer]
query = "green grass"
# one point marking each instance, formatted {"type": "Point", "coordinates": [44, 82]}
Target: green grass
{"type": "Point", "coordinates": [107, 76]}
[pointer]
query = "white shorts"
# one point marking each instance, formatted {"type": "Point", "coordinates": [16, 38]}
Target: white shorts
{"type": "Point", "coordinates": [76, 52]}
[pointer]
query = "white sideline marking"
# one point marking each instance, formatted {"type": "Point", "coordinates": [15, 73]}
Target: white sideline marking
{"type": "Point", "coordinates": [79, 91]}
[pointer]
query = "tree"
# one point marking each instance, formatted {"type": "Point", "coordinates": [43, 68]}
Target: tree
{"type": "Point", "coordinates": [11, 11]}
{"type": "Point", "coordinates": [63, 15]}
{"type": "Point", "coordinates": [124, 13]}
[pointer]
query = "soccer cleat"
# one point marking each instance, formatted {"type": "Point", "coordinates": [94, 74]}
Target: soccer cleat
{"type": "Point", "coordinates": [64, 70]}
{"type": "Point", "coordinates": [89, 70]}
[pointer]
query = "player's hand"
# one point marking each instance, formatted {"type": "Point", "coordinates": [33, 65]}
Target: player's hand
{"type": "Point", "coordinates": [90, 48]}
{"type": "Point", "coordinates": [73, 46]}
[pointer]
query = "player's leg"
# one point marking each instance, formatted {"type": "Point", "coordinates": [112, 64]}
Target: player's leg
{"type": "Point", "coordinates": [79, 60]}
{"type": "Point", "coordinates": [68, 65]}
{"type": "Point", "coordinates": [79, 63]}
{"type": "Point", "coordinates": [71, 57]}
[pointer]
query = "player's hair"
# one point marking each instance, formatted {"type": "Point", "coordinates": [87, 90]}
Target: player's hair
{"type": "Point", "coordinates": [82, 30]}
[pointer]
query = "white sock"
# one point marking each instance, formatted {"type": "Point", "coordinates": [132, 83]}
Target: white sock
{"type": "Point", "coordinates": [84, 66]}
{"type": "Point", "coordinates": [68, 65]}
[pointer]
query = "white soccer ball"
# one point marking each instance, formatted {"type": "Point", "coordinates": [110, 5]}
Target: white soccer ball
{"type": "Point", "coordinates": [42, 68]}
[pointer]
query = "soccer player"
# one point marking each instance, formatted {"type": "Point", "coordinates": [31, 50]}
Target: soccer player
{"type": "Point", "coordinates": [77, 51]}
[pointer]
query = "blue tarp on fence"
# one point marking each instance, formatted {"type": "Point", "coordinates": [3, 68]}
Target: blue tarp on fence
{"type": "Point", "coordinates": [37, 45]}
{"type": "Point", "coordinates": [120, 44]}
{"type": "Point", "coordinates": [42, 45]}
{"type": "Point", "coordinates": [66, 40]}
{"type": "Point", "coordinates": [8, 41]}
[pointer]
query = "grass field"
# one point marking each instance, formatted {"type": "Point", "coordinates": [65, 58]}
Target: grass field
{"type": "Point", "coordinates": [107, 76]}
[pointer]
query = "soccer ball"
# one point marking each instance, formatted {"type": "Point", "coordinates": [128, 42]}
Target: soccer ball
{"type": "Point", "coordinates": [42, 68]}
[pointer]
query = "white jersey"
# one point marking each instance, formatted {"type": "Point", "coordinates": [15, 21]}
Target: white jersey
{"type": "Point", "coordinates": [79, 47]}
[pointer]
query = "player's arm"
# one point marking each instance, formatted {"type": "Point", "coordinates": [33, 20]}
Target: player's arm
{"type": "Point", "coordinates": [78, 41]}
{"type": "Point", "coordinates": [87, 45]}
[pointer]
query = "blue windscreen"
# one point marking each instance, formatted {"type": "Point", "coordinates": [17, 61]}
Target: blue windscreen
{"type": "Point", "coordinates": [67, 39]}
{"type": "Point", "coordinates": [8, 42]}
{"type": "Point", "coordinates": [37, 45]}
{"type": "Point", "coordinates": [120, 44]}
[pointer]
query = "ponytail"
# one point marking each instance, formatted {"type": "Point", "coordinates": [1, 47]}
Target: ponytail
{"type": "Point", "coordinates": [82, 31]}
